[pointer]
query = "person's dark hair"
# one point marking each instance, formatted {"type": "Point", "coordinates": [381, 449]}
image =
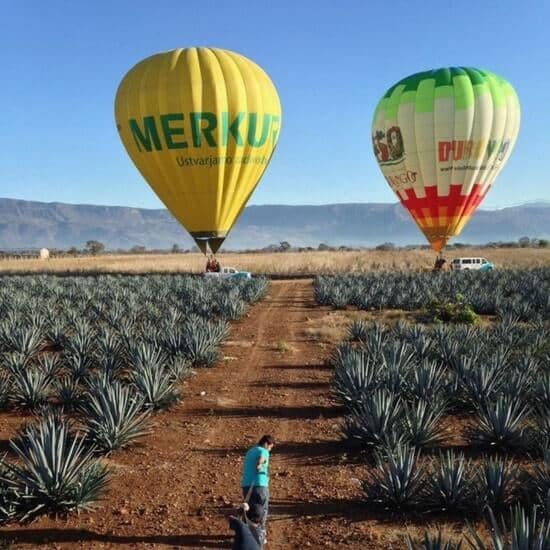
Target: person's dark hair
{"type": "Point", "coordinates": [266, 440]}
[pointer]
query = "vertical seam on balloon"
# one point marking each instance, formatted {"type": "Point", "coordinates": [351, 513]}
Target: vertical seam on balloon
{"type": "Point", "coordinates": [220, 189]}
{"type": "Point", "coordinates": [233, 196]}
{"type": "Point", "coordinates": [151, 161]}
{"type": "Point", "coordinates": [156, 154]}
{"type": "Point", "coordinates": [449, 229]}
{"type": "Point", "coordinates": [173, 189]}
{"type": "Point", "coordinates": [459, 214]}
{"type": "Point", "coordinates": [492, 175]}
{"type": "Point", "coordinates": [471, 196]}
{"type": "Point", "coordinates": [186, 93]}
{"type": "Point", "coordinates": [258, 169]}
{"type": "Point", "coordinates": [228, 173]}
{"type": "Point", "coordinates": [202, 205]}
{"type": "Point", "coordinates": [230, 186]}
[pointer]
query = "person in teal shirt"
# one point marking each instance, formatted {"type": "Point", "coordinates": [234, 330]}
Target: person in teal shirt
{"type": "Point", "coordinates": [255, 477]}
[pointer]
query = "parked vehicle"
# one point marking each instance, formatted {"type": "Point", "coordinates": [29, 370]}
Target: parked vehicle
{"type": "Point", "coordinates": [479, 264]}
{"type": "Point", "coordinates": [227, 273]}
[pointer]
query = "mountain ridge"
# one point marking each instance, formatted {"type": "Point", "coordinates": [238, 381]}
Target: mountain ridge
{"type": "Point", "coordinates": [32, 224]}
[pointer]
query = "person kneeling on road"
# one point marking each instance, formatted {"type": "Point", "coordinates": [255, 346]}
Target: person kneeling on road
{"type": "Point", "coordinates": [248, 531]}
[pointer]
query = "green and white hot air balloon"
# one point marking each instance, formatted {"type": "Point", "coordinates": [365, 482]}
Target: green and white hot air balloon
{"type": "Point", "coordinates": [440, 138]}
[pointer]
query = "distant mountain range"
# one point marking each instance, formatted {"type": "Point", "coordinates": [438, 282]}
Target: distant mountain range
{"type": "Point", "coordinates": [28, 224]}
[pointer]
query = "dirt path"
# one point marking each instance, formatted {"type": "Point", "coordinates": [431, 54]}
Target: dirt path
{"type": "Point", "coordinates": [177, 487]}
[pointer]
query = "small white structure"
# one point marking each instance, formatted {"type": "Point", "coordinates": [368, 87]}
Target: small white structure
{"type": "Point", "coordinates": [44, 254]}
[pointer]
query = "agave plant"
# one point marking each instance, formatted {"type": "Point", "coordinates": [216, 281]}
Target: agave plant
{"type": "Point", "coordinates": [356, 375]}
{"type": "Point", "coordinates": [6, 391]}
{"type": "Point", "coordinates": [50, 364]}
{"type": "Point", "coordinates": [526, 532]}
{"type": "Point", "coordinates": [481, 382]}
{"type": "Point", "coordinates": [398, 480]}
{"type": "Point", "coordinates": [56, 471]}
{"type": "Point", "coordinates": [113, 417]}
{"type": "Point", "coordinates": [375, 421]}
{"type": "Point", "coordinates": [432, 542]}
{"type": "Point", "coordinates": [358, 331]}
{"type": "Point", "coordinates": [179, 369]}
{"type": "Point", "coordinates": [27, 341]}
{"type": "Point", "coordinates": [55, 333]}
{"type": "Point", "coordinates": [200, 347]}
{"type": "Point", "coordinates": [231, 307]}
{"type": "Point", "coordinates": [426, 381]}
{"type": "Point", "coordinates": [31, 385]}
{"type": "Point", "coordinates": [542, 422]}
{"type": "Point", "coordinates": [82, 340]}
{"type": "Point", "coordinates": [68, 391]}
{"type": "Point", "coordinates": [79, 365]}
{"type": "Point", "coordinates": [501, 423]}
{"type": "Point", "coordinates": [542, 389]}
{"type": "Point", "coordinates": [536, 485]}
{"type": "Point", "coordinates": [450, 488]}
{"type": "Point", "coordinates": [495, 482]}
{"type": "Point", "coordinates": [421, 423]}
{"type": "Point", "coordinates": [156, 385]}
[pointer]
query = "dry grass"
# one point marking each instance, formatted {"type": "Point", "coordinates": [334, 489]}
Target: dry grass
{"type": "Point", "coordinates": [288, 263]}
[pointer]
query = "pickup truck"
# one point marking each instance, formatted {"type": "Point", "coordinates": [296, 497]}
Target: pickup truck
{"type": "Point", "coordinates": [227, 273]}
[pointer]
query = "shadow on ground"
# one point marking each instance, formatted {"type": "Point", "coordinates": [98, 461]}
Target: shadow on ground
{"type": "Point", "coordinates": [304, 413]}
{"type": "Point", "coordinates": [48, 536]}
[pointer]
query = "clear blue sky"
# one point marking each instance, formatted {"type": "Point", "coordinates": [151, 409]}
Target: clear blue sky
{"type": "Point", "coordinates": [61, 62]}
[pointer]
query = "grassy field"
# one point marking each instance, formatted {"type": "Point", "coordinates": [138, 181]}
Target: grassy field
{"type": "Point", "coordinates": [288, 263]}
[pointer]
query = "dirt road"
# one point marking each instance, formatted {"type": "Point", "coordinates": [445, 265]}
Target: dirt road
{"type": "Point", "coordinates": [178, 486]}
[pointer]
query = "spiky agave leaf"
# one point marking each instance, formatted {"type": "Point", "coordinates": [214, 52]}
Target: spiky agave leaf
{"type": "Point", "coordinates": [501, 423]}
{"type": "Point", "coordinates": [82, 341]}
{"type": "Point", "coordinates": [421, 423]}
{"type": "Point", "coordinates": [427, 381]}
{"type": "Point", "coordinates": [68, 391]}
{"type": "Point", "coordinates": [358, 331]}
{"type": "Point", "coordinates": [356, 375]}
{"type": "Point", "coordinates": [50, 364]}
{"type": "Point", "coordinates": [31, 385]}
{"type": "Point", "coordinates": [398, 480]}
{"type": "Point", "coordinates": [450, 487]}
{"type": "Point", "coordinates": [6, 383]}
{"type": "Point", "coordinates": [536, 487]}
{"type": "Point", "coordinates": [156, 385]}
{"type": "Point", "coordinates": [375, 420]}
{"type": "Point", "coordinates": [200, 345]}
{"type": "Point", "coordinates": [79, 365]}
{"type": "Point", "coordinates": [481, 382]}
{"type": "Point", "coordinates": [432, 542]}
{"type": "Point", "coordinates": [495, 482]}
{"type": "Point", "coordinates": [56, 471]}
{"type": "Point", "coordinates": [179, 368]}
{"type": "Point", "coordinates": [525, 532]}
{"type": "Point", "coordinates": [542, 421]}
{"type": "Point", "coordinates": [27, 341]}
{"type": "Point", "coordinates": [113, 416]}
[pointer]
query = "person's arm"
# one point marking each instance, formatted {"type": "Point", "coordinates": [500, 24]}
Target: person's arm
{"type": "Point", "coordinates": [260, 462]}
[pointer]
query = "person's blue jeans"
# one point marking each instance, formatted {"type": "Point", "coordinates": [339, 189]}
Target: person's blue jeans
{"type": "Point", "coordinates": [259, 495]}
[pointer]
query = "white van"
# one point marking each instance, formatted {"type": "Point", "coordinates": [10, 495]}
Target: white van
{"type": "Point", "coordinates": [480, 264]}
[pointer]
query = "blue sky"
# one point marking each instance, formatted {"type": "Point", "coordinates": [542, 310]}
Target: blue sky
{"type": "Point", "coordinates": [61, 63]}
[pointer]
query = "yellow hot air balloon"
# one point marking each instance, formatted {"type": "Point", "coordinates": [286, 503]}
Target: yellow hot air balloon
{"type": "Point", "coordinates": [200, 124]}
{"type": "Point", "coordinates": [441, 138]}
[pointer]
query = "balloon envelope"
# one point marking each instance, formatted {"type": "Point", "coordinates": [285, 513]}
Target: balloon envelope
{"type": "Point", "coordinates": [440, 138]}
{"type": "Point", "coordinates": [200, 124]}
